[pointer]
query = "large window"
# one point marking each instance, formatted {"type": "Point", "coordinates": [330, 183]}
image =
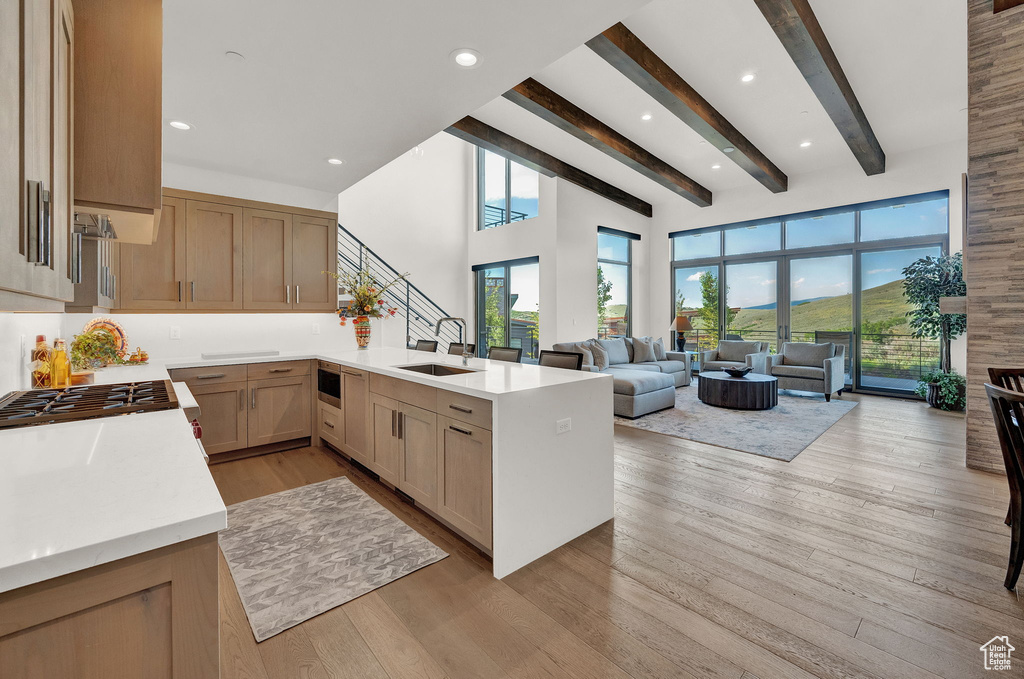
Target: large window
{"type": "Point", "coordinates": [832, 275]}
{"type": "Point", "coordinates": [508, 192]}
{"type": "Point", "coordinates": [614, 274]}
{"type": "Point", "coordinates": [508, 306]}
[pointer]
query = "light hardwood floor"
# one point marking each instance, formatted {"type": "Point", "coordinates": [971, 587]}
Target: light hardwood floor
{"type": "Point", "coordinates": [875, 553]}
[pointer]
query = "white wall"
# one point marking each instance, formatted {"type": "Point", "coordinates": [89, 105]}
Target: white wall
{"type": "Point", "coordinates": [931, 169]}
{"type": "Point", "coordinates": [211, 181]}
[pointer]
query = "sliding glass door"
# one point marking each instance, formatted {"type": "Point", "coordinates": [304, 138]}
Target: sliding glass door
{"type": "Point", "coordinates": [508, 306]}
{"type": "Point", "coordinates": [820, 307]}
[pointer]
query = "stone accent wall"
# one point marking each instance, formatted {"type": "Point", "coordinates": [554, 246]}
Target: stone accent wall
{"type": "Point", "coordinates": [995, 226]}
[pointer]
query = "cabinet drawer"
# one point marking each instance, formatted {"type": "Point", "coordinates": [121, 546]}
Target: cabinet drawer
{"type": "Point", "coordinates": [211, 374]}
{"type": "Point", "coordinates": [466, 408]}
{"type": "Point", "coordinates": [329, 425]}
{"type": "Point", "coordinates": [260, 371]}
{"type": "Point", "coordinates": [404, 391]}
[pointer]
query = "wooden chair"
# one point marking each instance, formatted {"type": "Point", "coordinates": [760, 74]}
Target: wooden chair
{"type": "Point", "coordinates": [510, 354]}
{"type": "Point", "coordinates": [572, 360]}
{"type": "Point", "coordinates": [1008, 413]}
{"type": "Point", "coordinates": [455, 348]}
{"type": "Point", "coordinates": [1012, 379]}
{"type": "Point", "coordinates": [425, 345]}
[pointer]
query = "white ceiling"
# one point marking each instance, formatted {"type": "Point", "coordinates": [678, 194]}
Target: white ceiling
{"type": "Point", "coordinates": [360, 81]}
{"type": "Point", "coordinates": [906, 60]}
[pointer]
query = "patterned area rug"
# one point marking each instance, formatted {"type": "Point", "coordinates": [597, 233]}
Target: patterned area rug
{"type": "Point", "coordinates": [780, 433]}
{"type": "Point", "coordinates": [296, 554]}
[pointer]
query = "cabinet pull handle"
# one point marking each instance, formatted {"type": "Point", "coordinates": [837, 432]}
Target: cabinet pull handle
{"type": "Point", "coordinates": [328, 424]}
{"type": "Point", "coordinates": [461, 409]}
{"type": "Point", "coordinates": [298, 297]}
{"type": "Point", "coordinates": [179, 291]}
{"type": "Point", "coordinates": [114, 280]}
{"type": "Point", "coordinates": [192, 285]}
{"type": "Point", "coordinates": [461, 431]}
{"type": "Point", "coordinates": [287, 294]}
{"type": "Point", "coordinates": [354, 374]}
{"type": "Point", "coordinates": [76, 268]}
{"type": "Point", "coordinates": [45, 227]}
{"type": "Point", "coordinates": [394, 423]}
{"type": "Point", "coordinates": [401, 426]}
{"type": "Point", "coordinates": [241, 398]}
{"type": "Point", "coordinates": [210, 376]}
{"type": "Point", "coordinates": [254, 398]}
{"type": "Point", "coordinates": [32, 215]}
{"type": "Point", "coordinates": [280, 370]}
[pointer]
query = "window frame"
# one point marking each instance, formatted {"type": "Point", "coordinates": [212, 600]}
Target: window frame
{"type": "Point", "coordinates": [628, 263]}
{"type": "Point", "coordinates": [481, 199]}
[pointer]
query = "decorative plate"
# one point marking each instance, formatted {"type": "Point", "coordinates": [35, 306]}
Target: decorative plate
{"type": "Point", "coordinates": [737, 372]}
{"type": "Point", "coordinates": [111, 326]}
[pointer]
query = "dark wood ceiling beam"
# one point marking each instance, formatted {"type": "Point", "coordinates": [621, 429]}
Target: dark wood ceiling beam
{"type": "Point", "coordinates": [638, 62]}
{"type": "Point", "coordinates": [562, 113]}
{"type": "Point", "coordinates": [483, 135]}
{"type": "Point", "coordinates": [802, 36]}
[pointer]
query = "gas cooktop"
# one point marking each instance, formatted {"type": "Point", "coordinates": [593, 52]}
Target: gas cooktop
{"type": "Point", "coordinates": [45, 406]}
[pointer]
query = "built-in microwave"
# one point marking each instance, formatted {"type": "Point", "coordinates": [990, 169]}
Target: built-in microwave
{"type": "Point", "coordinates": [328, 383]}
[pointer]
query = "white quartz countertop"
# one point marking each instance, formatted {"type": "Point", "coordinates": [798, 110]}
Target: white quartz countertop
{"type": "Point", "coordinates": [77, 494]}
{"type": "Point", "coordinates": [490, 379]}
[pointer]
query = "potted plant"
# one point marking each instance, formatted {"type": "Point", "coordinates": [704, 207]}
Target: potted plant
{"type": "Point", "coordinates": [93, 349]}
{"type": "Point", "coordinates": [925, 282]}
{"type": "Point", "coordinates": [367, 293]}
{"type": "Point", "coordinates": [942, 390]}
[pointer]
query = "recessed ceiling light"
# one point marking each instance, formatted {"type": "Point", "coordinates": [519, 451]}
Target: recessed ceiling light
{"type": "Point", "coordinates": [716, 166]}
{"type": "Point", "coordinates": [804, 144]}
{"type": "Point", "coordinates": [466, 58]}
{"type": "Point", "coordinates": [804, 113]}
{"type": "Point", "coordinates": [180, 125]}
{"type": "Point", "coordinates": [747, 78]}
{"type": "Point", "coordinates": [646, 116]}
{"type": "Point", "coordinates": [335, 161]}
{"type": "Point", "coordinates": [729, 149]}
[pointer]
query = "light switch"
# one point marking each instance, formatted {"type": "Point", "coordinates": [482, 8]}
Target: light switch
{"type": "Point", "coordinates": [316, 328]}
{"type": "Point", "coordinates": [563, 426]}
{"type": "Point", "coordinates": [175, 332]}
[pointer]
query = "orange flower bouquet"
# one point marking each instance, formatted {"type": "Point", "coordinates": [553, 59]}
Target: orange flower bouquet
{"type": "Point", "coordinates": [367, 293]}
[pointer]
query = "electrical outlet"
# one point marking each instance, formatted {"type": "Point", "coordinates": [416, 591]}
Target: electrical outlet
{"type": "Point", "coordinates": [316, 328]}
{"type": "Point", "coordinates": [563, 426]}
{"type": "Point", "coordinates": [175, 332]}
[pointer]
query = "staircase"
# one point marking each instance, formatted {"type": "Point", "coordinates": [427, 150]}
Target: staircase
{"type": "Point", "coordinates": [420, 312]}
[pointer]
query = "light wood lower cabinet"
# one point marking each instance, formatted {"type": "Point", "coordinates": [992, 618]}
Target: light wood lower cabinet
{"type": "Point", "coordinates": [417, 470]}
{"type": "Point", "coordinates": [279, 410]}
{"type": "Point", "coordinates": [355, 405]}
{"type": "Point", "coordinates": [329, 424]}
{"type": "Point", "coordinates": [150, 615]}
{"type": "Point", "coordinates": [223, 416]}
{"type": "Point", "coordinates": [464, 478]}
{"type": "Point", "coordinates": [386, 446]}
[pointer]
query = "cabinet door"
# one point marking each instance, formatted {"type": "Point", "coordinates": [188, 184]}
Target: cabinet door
{"type": "Point", "coordinates": [213, 263]}
{"type": "Point", "coordinates": [279, 410]}
{"type": "Point", "coordinates": [267, 246]}
{"type": "Point", "coordinates": [62, 194]}
{"type": "Point", "coordinates": [153, 276]}
{"type": "Point", "coordinates": [384, 416]}
{"type": "Point", "coordinates": [223, 415]}
{"type": "Point", "coordinates": [464, 478]}
{"type": "Point", "coordinates": [417, 474]}
{"type": "Point", "coordinates": [355, 403]}
{"type": "Point", "coordinates": [314, 250]}
{"type": "Point", "coordinates": [329, 425]}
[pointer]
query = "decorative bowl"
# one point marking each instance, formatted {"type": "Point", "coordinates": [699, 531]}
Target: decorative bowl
{"type": "Point", "coordinates": [737, 372]}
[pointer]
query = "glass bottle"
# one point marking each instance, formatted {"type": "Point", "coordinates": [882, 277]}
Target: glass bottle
{"type": "Point", "coordinates": [41, 363]}
{"type": "Point", "coordinates": [60, 367]}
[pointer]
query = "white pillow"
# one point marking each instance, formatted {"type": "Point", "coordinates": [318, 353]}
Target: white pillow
{"type": "Point", "coordinates": [643, 350]}
{"type": "Point", "coordinates": [584, 348]}
{"type": "Point", "coordinates": [600, 355]}
{"type": "Point", "coordinates": [659, 350]}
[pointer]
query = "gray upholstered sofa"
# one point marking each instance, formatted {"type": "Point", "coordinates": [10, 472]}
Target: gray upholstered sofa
{"type": "Point", "coordinates": [640, 387]}
{"type": "Point", "coordinates": [809, 367]}
{"type": "Point", "coordinates": [736, 354]}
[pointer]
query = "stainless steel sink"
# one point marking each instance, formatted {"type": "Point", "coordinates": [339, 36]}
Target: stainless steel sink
{"type": "Point", "coordinates": [437, 370]}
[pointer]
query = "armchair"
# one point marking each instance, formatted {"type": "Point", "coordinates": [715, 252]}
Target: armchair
{"type": "Point", "coordinates": [735, 354]}
{"type": "Point", "coordinates": [810, 367]}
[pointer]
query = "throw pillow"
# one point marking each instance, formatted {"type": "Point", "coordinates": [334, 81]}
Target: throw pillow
{"type": "Point", "coordinates": [600, 355]}
{"type": "Point", "coordinates": [629, 348]}
{"type": "Point", "coordinates": [643, 350]}
{"type": "Point", "coordinates": [616, 350]}
{"type": "Point", "coordinates": [584, 348]}
{"type": "Point", "coordinates": [659, 350]}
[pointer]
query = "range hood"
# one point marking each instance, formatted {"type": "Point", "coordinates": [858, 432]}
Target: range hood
{"type": "Point", "coordinates": [101, 222]}
{"type": "Point", "coordinates": [94, 225]}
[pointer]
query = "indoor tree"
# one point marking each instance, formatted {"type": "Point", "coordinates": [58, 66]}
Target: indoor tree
{"type": "Point", "coordinates": [925, 282]}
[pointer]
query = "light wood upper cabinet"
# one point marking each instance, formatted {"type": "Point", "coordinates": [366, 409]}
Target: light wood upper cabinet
{"type": "Point", "coordinates": [314, 250]}
{"type": "Point", "coordinates": [417, 473]}
{"type": "Point", "coordinates": [213, 255]}
{"type": "Point", "coordinates": [267, 244]}
{"type": "Point", "coordinates": [153, 276]}
{"type": "Point", "coordinates": [118, 106]}
{"type": "Point", "coordinates": [464, 478]}
{"type": "Point", "coordinates": [223, 415]}
{"type": "Point", "coordinates": [384, 429]}
{"type": "Point", "coordinates": [278, 410]}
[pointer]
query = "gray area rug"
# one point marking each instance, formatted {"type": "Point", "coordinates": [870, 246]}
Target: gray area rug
{"type": "Point", "coordinates": [296, 554]}
{"type": "Point", "coordinates": [780, 433]}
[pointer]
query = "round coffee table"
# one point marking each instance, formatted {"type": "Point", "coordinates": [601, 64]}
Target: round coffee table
{"type": "Point", "coordinates": [752, 392]}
